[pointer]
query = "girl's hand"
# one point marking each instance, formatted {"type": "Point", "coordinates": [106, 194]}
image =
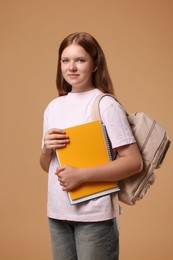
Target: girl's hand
{"type": "Point", "coordinates": [69, 177]}
{"type": "Point", "coordinates": [53, 139]}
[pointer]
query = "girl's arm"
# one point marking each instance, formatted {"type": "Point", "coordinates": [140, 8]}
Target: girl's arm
{"type": "Point", "coordinates": [45, 159]}
{"type": "Point", "coordinates": [53, 139]}
{"type": "Point", "coordinates": [128, 163]}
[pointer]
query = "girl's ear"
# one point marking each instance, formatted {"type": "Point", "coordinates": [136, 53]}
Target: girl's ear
{"type": "Point", "coordinates": [95, 67]}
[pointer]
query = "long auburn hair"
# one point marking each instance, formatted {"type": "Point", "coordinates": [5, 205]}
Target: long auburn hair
{"type": "Point", "coordinates": [101, 78]}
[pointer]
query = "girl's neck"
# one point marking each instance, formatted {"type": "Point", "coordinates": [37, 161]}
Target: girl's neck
{"type": "Point", "coordinates": [80, 90]}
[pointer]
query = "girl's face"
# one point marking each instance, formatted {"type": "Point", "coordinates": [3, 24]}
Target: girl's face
{"type": "Point", "coordinates": [77, 67]}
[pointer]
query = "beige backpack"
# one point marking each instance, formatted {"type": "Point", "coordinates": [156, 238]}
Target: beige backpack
{"type": "Point", "coordinates": [153, 142]}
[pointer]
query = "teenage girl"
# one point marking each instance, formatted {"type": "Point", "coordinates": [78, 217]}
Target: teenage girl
{"type": "Point", "coordinates": [88, 230]}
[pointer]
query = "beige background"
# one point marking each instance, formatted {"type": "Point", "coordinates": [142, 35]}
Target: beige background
{"type": "Point", "coordinates": [137, 38]}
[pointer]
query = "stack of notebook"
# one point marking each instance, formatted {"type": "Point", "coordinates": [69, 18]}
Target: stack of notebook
{"type": "Point", "coordinates": [88, 147]}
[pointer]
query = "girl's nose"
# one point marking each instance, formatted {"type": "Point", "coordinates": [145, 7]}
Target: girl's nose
{"type": "Point", "coordinates": [72, 66]}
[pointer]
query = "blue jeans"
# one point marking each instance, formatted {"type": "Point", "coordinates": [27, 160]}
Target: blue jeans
{"type": "Point", "coordinates": [84, 240]}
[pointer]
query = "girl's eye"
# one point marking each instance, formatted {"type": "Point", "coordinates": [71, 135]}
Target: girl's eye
{"type": "Point", "coordinates": [80, 60]}
{"type": "Point", "coordinates": [65, 61]}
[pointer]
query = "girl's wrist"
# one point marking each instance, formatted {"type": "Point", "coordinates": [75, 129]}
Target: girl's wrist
{"type": "Point", "coordinates": [47, 151]}
{"type": "Point", "coordinates": [83, 174]}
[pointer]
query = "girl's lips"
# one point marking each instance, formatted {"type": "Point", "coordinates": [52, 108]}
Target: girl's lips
{"type": "Point", "coordinates": [73, 75]}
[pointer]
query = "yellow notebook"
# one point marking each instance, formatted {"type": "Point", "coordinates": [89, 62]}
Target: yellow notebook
{"type": "Point", "coordinates": [88, 147]}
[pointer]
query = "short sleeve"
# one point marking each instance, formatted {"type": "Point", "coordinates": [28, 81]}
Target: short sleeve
{"type": "Point", "coordinates": [115, 119]}
{"type": "Point", "coordinates": [45, 125]}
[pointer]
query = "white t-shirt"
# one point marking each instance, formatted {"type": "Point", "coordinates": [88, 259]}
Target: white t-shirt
{"type": "Point", "coordinates": [74, 109]}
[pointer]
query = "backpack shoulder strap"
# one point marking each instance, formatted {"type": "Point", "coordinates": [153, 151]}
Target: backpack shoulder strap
{"type": "Point", "coordinates": [95, 109]}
